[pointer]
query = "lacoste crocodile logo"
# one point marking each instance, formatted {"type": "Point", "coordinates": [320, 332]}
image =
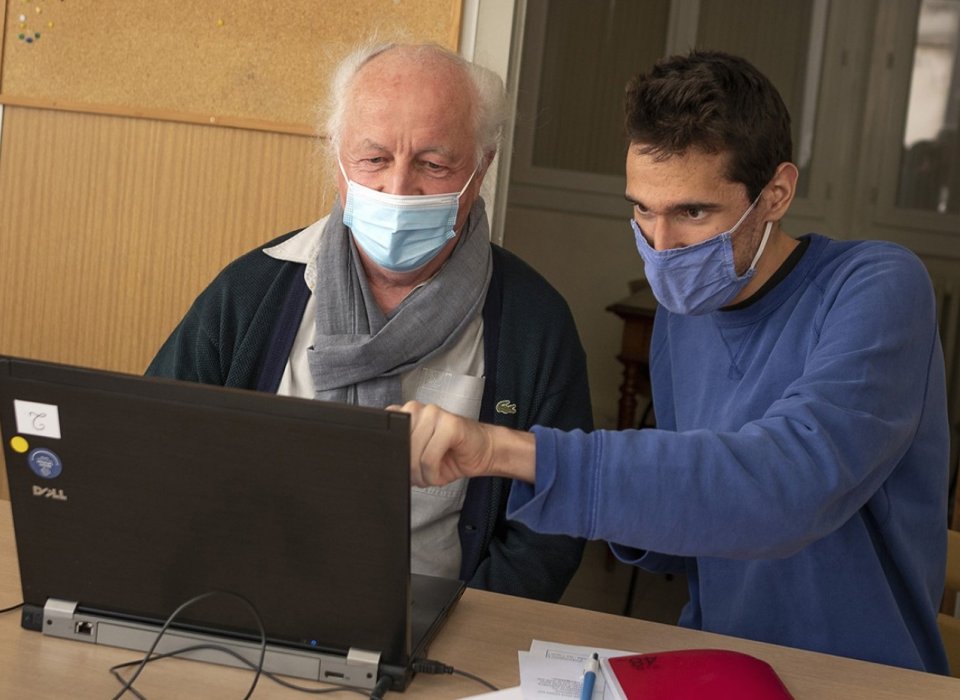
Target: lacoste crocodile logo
{"type": "Point", "coordinates": [506, 408]}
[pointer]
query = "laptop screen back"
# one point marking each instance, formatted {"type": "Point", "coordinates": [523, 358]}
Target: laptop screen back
{"type": "Point", "coordinates": [131, 495]}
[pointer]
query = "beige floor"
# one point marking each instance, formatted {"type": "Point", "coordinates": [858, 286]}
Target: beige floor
{"type": "Point", "coordinates": [601, 583]}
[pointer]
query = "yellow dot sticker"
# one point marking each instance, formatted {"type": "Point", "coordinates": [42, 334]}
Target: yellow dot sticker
{"type": "Point", "coordinates": [19, 444]}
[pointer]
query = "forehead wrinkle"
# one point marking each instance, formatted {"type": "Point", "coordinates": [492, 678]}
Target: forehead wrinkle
{"type": "Point", "coordinates": [366, 104]}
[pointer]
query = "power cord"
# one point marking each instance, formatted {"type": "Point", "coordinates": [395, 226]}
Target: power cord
{"type": "Point", "coordinates": [377, 693]}
{"type": "Point", "coordinates": [239, 657]}
{"type": "Point", "coordinates": [427, 666]}
{"type": "Point", "coordinates": [128, 684]}
{"type": "Point", "coordinates": [438, 667]}
{"type": "Point", "coordinates": [381, 688]}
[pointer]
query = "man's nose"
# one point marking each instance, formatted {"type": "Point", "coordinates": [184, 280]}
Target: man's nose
{"type": "Point", "coordinates": [661, 234]}
{"type": "Point", "coordinates": [400, 180]}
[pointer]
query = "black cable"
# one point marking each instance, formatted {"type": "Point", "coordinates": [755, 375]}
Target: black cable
{"type": "Point", "coordinates": [11, 608]}
{"type": "Point", "coordinates": [476, 678]}
{"type": "Point", "coordinates": [378, 692]}
{"type": "Point", "coordinates": [239, 657]}
{"type": "Point", "coordinates": [128, 685]}
{"type": "Point", "coordinates": [381, 688]}
{"type": "Point", "coordinates": [431, 666]}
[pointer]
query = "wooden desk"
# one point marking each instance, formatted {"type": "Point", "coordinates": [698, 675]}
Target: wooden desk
{"type": "Point", "coordinates": [637, 312]}
{"type": "Point", "coordinates": [482, 636]}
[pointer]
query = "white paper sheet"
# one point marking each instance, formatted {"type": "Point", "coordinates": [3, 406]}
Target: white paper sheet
{"type": "Point", "coordinates": [551, 670]}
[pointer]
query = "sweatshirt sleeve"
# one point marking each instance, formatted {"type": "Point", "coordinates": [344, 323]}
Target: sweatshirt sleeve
{"type": "Point", "coordinates": [785, 479]}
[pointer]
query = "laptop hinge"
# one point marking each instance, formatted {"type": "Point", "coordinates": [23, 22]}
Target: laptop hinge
{"type": "Point", "coordinates": [60, 619]}
{"type": "Point", "coordinates": [358, 668]}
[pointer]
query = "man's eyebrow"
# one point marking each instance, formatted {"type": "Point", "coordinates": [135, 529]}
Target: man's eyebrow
{"type": "Point", "coordinates": [679, 207]}
{"type": "Point", "coordinates": [372, 145]}
{"type": "Point", "coordinates": [439, 150]}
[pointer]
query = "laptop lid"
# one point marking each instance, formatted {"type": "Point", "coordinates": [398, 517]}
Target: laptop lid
{"type": "Point", "coordinates": [131, 495]}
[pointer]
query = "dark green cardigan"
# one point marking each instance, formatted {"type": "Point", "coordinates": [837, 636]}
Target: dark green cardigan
{"type": "Point", "coordinates": [239, 330]}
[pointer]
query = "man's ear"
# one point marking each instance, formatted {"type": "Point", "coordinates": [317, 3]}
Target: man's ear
{"type": "Point", "coordinates": [781, 190]}
{"type": "Point", "coordinates": [487, 160]}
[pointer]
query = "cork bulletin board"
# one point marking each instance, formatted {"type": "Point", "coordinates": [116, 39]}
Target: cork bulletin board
{"type": "Point", "coordinates": [229, 62]}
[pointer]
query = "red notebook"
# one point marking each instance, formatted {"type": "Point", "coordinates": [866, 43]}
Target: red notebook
{"type": "Point", "coordinates": [691, 674]}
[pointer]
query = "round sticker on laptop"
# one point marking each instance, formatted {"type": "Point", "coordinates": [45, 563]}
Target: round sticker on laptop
{"type": "Point", "coordinates": [44, 463]}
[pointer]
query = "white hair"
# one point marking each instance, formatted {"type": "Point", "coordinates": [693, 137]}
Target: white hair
{"type": "Point", "coordinates": [490, 111]}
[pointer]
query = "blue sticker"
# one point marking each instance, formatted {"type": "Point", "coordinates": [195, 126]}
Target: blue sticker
{"type": "Point", "coordinates": [44, 463]}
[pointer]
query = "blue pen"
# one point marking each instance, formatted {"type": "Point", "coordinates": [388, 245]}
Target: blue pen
{"type": "Point", "coordinates": [589, 677]}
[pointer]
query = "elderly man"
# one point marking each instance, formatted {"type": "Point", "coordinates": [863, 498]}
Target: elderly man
{"type": "Point", "coordinates": [799, 472]}
{"type": "Point", "coordinates": [398, 294]}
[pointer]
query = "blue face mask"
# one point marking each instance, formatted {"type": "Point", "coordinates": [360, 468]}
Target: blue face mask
{"type": "Point", "coordinates": [400, 232]}
{"type": "Point", "coordinates": [699, 278]}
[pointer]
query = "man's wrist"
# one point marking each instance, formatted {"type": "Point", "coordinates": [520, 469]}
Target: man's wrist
{"type": "Point", "coordinates": [514, 453]}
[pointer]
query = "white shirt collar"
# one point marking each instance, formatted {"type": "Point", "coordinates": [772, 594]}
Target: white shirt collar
{"type": "Point", "coordinates": [302, 248]}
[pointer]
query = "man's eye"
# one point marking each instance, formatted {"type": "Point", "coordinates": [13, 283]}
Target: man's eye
{"type": "Point", "coordinates": [430, 165]}
{"type": "Point", "coordinates": [694, 213]}
{"type": "Point", "coordinates": [641, 210]}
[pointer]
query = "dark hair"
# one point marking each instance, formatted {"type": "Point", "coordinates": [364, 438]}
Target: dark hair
{"type": "Point", "coordinates": [715, 102]}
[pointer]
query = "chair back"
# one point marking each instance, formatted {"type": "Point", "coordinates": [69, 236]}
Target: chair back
{"type": "Point", "coordinates": [948, 621]}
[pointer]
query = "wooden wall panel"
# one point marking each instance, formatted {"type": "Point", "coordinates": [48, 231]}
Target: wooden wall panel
{"type": "Point", "coordinates": [110, 226]}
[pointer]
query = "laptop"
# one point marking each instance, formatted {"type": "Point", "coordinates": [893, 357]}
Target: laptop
{"type": "Point", "coordinates": [132, 495]}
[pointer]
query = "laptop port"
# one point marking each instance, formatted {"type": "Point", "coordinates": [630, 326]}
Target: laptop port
{"type": "Point", "coordinates": [83, 627]}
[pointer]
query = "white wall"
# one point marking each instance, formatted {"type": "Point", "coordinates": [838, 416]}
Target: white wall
{"type": "Point", "coordinates": [589, 260]}
{"type": "Point", "coordinates": [487, 37]}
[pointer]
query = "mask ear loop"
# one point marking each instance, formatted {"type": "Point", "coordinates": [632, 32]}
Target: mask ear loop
{"type": "Point", "coordinates": [469, 180]}
{"type": "Point", "coordinates": [763, 244]}
{"type": "Point", "coordinates": [743, 216]}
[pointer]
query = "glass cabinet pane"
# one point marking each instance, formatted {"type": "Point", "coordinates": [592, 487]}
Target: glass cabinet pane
{"type": "Point", "coordinates": [784, 39]}
{"type": "Point", "coordinates": [930, 161]}
{"type": "Point", "coordinates": [591, 50]}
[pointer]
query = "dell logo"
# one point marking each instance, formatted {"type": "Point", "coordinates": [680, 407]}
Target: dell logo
{"type": "Point", "coordinates": [55, 494]}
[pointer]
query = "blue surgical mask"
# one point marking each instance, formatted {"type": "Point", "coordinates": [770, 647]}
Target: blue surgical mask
{"type": "Point", "coordinates": [400, 232]}
{"type": "Point", "coordinates": [699, 278]}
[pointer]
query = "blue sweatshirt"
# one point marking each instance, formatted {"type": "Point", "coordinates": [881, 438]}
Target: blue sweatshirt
{"type": "Point", "coordinates": [798, 475]}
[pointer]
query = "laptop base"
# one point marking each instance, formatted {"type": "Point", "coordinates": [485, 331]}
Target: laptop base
{"type": "Point", "coordinates": [358, 669]}
{"type": "Point", "coordinates": [132, 494]}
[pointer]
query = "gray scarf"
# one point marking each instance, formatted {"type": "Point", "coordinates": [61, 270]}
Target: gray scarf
{"type": "Point", "coordinates": [359, 353]}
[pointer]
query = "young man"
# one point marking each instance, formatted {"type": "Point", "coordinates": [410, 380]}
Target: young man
{"type": "Point", "coordinates": [398, 294]}
{"type": "Point", "coordinates": [798, 474]}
